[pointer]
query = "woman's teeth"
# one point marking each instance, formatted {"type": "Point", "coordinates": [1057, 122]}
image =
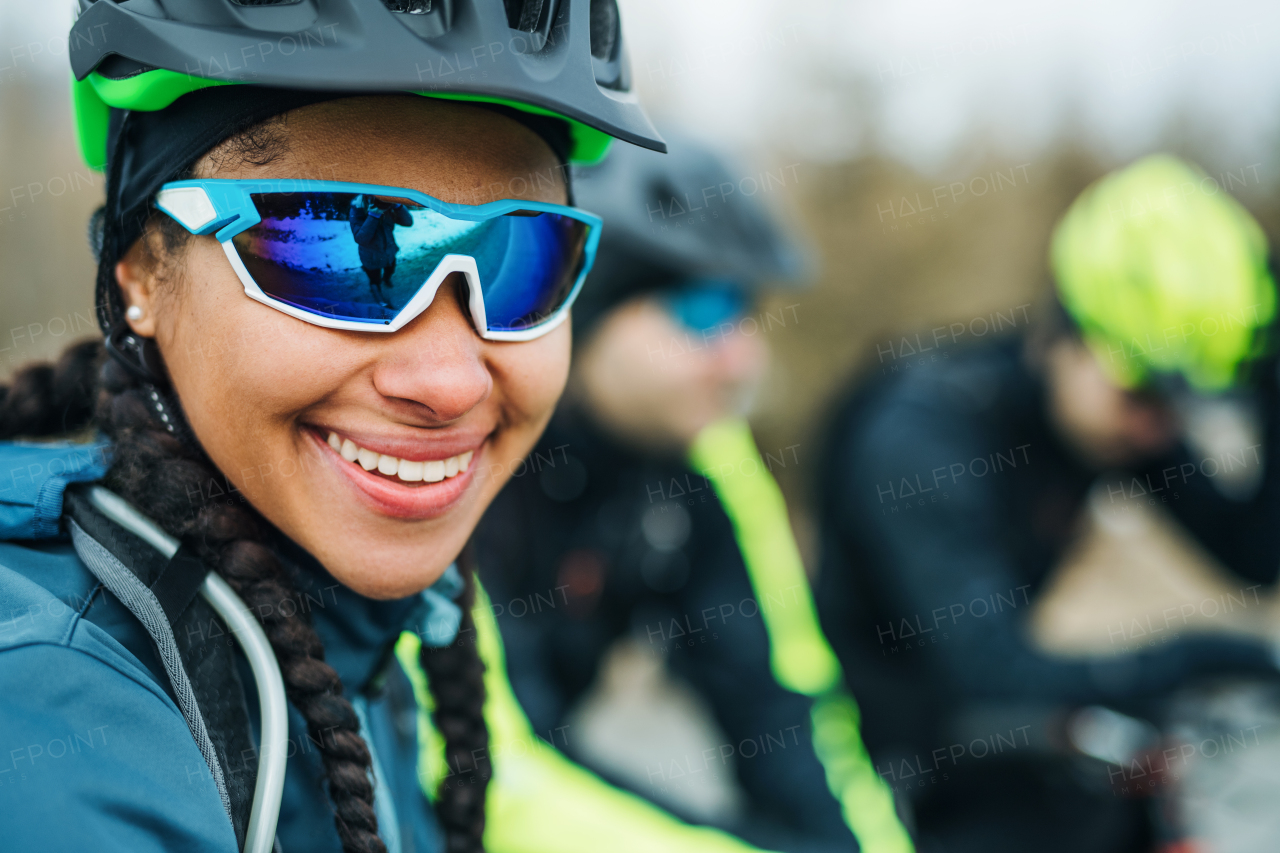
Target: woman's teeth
{"type": "Point", "coordinates": [411, 472]}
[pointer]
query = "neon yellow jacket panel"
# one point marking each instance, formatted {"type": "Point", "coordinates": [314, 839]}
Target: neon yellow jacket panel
{"type": "Point", "coordinates": [539, 801]}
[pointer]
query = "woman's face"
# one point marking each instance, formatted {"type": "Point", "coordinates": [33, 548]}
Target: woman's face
{"type": "Point", "coordinates": [263, 391]}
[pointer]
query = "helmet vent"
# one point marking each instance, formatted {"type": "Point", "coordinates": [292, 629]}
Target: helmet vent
{"type": "Point", "coordinates": [604, 28]}
{"type": "Point", "coordinates": [409, 7]}
{"type": "Point", "coordinates": [524, 15]}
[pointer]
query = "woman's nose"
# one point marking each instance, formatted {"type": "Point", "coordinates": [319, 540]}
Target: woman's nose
{"type": "Point", "coordinates": [437, 361]}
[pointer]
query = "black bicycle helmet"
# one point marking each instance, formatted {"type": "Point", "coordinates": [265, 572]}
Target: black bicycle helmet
{"type": "Point", "coordinates": [678, 217]}
{"type": "Point", "coordinates": [563, 58]}
{"type": "Point", "coordinates": [152, 94]}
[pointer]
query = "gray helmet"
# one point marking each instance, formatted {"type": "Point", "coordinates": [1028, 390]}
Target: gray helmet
{"type": "Point", "coordinates": [560, 57]}
{"type": "Point", "coordinates": [676, 217]}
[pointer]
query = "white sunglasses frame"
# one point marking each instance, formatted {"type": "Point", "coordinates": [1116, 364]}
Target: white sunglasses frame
{"type": "Point", "coordinates": [224, 207]}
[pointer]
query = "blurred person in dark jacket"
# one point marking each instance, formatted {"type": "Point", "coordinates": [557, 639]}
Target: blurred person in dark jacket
{"type": "Point", "coordinates": [373, 224]}
{"type": "Point", "coordinates": [954, 489]}
{"type": "Point", "coordinates": [608, 532]}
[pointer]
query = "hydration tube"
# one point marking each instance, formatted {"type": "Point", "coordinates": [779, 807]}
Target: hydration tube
{"type": "Point", "coordinates": [272, 705]}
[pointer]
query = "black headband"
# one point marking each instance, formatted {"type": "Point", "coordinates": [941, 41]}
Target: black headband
{"type": "Point", "coordinates": [147, 149]}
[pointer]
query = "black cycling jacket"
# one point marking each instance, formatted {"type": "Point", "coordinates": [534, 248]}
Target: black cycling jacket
{"type": "Point", "coordinates": [590, 543]}
{"type": "Point", "coordinates": [946, 502]}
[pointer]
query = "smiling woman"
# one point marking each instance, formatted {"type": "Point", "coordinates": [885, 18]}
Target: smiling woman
{"type": "Point", "coordinates": [430, 391]}
{"type": "Point", "coordinates": [299, 382]}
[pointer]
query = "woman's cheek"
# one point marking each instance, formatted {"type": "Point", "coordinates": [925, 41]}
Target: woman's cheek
{"type": "Point", "coordinates": [530, 377]}
{"type": "Point", "coordinates": [236, 362]}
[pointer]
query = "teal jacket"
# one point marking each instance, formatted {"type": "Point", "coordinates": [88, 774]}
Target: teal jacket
{"type": "Point", "coordinates": [96, 755]}
{"type": "Point", "coordinates": [94, 751]}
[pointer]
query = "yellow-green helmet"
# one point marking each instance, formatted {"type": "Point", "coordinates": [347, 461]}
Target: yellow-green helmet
{"type": "Point", "coordinates": [1165, 274]}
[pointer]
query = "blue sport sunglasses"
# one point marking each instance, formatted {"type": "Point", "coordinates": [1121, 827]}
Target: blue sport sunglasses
{"type": "Point", "coordinates": [703, 304]}
{"type": "Point", "coordinates": [339, 255]}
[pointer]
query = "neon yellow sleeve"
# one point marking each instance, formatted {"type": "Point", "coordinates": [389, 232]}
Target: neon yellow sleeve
{"type": "Point", "coordinates": [539, 801]}
{"type": "Point", "coordinates": [802, 660]}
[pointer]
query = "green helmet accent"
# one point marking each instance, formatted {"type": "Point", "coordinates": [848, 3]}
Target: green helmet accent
{"type": "Point", "coordinates": [1165, 273]}
{"type": "Point", "coordinates": [93, 97]}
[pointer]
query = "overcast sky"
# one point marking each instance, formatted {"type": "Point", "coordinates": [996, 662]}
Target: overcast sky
{"type": "Point", "coordinates": [919, 78]}
{"type": "Point", "coordinates": [929, 74]}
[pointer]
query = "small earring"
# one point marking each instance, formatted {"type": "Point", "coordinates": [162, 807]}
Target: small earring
{"type": "Point", "coordinates": [134, 313]}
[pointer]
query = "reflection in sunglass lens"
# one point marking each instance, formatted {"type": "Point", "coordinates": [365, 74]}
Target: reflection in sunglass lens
{"type": "Point", "coordinates": [356, 257]}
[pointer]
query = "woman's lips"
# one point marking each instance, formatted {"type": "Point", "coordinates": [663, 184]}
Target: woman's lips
{"type": "Point", "coordinates": [406, 498]}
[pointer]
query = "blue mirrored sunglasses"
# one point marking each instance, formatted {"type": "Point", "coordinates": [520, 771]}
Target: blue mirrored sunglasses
{"type": "Point", "coordinates": [703, 304]}
{"type": "Point", "coordinates": [369, 258]}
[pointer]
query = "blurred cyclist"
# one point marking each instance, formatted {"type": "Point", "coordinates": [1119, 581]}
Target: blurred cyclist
{"type": "Point", "coordinates": [953, 491]}
{"type": "Point", "coordinates": [373, 223]}
{"type": "Point", "coordinates": [615, 536]}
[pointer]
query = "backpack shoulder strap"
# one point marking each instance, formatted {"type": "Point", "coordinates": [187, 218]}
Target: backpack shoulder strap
{"type": "Point", "coordinates": [193, 643]}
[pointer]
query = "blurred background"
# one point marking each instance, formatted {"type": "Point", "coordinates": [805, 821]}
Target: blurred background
{"type": "Point", "coordinates": [923, 150]}
{"type": "Point", "coordinates": [882, 130]}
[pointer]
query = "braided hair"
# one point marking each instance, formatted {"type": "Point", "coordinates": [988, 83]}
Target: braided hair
{"type": "Point", "coordinates": [158, 469]}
